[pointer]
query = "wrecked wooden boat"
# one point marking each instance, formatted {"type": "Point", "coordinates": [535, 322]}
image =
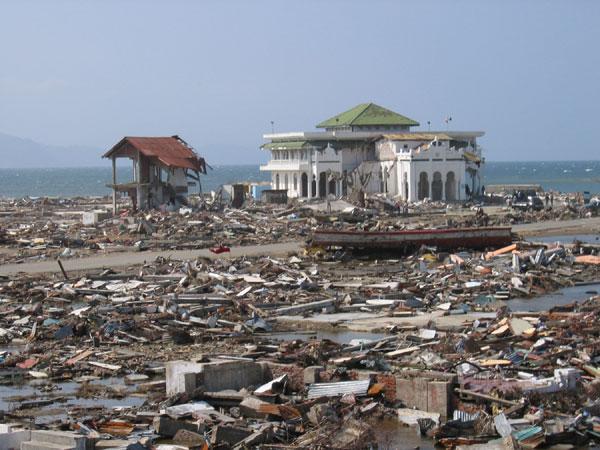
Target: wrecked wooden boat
{"type": "Point", "coordinates": [447, 238]}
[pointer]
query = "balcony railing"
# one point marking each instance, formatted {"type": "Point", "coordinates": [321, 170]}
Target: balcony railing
{"type": "Point", "coordinates": [289, 164]}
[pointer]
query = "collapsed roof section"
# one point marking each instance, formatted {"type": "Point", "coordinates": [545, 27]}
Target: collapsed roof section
{"type": "Point", "coordinates": [170, 151]}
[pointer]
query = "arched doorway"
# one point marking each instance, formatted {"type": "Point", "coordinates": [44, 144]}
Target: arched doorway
{"type": "Point", "coordinates": [450, 187]}
{"type": "Point", "coordinates": [332, 185]}
{"type": "Point", "coordinates": [277, 181]}
{"type": "Point", "coordinates": [385, 175]}
{"type": "Point", "coordinates": [322, 184]}
{"type": "Point", "coordinates": [304, 185]}
{"type": "Point", "coordinates": [405, 186]}
{"type": "Point", "coordinates": [437, 187]}
{"type": "Point", "coordinates": [313, 187]}
{"type": "Point", "coordinates": [423, 188]}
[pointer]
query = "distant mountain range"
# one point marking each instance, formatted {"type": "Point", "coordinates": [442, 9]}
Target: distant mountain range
{"type": "Point", "coordinates": [16, 152]}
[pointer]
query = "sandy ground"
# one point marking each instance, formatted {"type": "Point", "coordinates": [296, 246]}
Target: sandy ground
{"type": "Point", "coordinates": [555, 227]}
{"type": "Point", "coordinates": [547, 228]}
{"type": "Point", "coordinates": [378, 323]}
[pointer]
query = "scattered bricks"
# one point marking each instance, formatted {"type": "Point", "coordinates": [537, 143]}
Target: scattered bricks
{"type": "Point", "coordinates": [295, 380]}
{"type": "Point", "coordinates": [389, 381]}
{"type": "Point", "coordinates": [229, 434]}
{"type": "Point", "coordinates": [167, 427]}
{"type": "Point", "coordinates": [312, 374]}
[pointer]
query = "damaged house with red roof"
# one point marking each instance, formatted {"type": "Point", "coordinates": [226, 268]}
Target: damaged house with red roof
{"type": "Point", "coordinates": [162, 170]}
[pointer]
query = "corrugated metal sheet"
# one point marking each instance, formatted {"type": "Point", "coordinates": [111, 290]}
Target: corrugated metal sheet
{"type": "Point", "coordinates": [528, 433]}
{"type": "Point", "coordinates": [464, 416]}
{"type": "Point", "coordinates": [338, 389]}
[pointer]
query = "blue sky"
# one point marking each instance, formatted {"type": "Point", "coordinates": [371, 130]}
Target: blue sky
{"type": "Point", "coordinates": [218, 72]}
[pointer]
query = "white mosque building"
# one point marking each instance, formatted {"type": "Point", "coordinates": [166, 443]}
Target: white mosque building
{"type": "Point", "coordinates": [373, 149]}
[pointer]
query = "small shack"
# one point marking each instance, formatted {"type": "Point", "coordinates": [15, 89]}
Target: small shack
{"type": "Point", "coordinates": [161, 168]}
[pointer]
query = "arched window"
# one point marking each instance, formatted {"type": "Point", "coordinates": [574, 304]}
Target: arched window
{"type": "Point", "coordinates": [450, 187]}
{"type": "Point", "coordinates": [295, 182]}
{"type": "Point", "coordinates": [304, 183]}
{"type": "Point", "coordinates": [277, 181]}
{"type": "Point", "coordinates": [437, 187]}
{"type": "Point", "coordinates": [285, 181]}
{"type": "Point", "coordinates": [423, 186]}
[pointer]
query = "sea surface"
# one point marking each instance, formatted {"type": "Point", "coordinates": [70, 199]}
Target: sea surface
{"type": "Point", "coordinates": [563, 176]}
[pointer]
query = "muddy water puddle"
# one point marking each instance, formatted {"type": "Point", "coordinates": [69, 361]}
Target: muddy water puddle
{"type": "Point", "coordinates": [568, 238]}
{"type": "Point", "coordinates": [558, 298]}
{"type": "Point", "coordinates": [341, 336]}
{"type": "Point", "coordinates": [390, 434]}
{"type": "Point", "coordinates": [64, 396]}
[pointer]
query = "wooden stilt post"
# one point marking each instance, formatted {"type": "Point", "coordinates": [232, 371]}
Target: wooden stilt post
{"type": "Point", "coordinates": [138, 177]}
{"type": "Point", "coordinates": [114, 182]}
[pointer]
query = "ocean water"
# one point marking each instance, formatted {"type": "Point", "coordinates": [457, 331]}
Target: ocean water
{"type": "Point", "coordinates": [564, 176]}
{"type": "Point", "coordinates": [91, 181]}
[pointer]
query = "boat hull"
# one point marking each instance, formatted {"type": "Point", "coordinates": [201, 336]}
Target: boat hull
{"type": "Point", "coordinates": [476, 238]}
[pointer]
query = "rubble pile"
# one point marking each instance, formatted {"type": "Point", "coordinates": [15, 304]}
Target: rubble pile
{"type": "Point", "coordinates": [32, 230]}
{"type": "Point", "coordinates": [260, 352]}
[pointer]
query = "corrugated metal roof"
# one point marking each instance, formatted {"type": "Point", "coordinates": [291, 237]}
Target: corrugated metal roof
{"type": "Point", "coordinates": [172, 151]}
{"type": "Point", "coordinates": [360, 387]}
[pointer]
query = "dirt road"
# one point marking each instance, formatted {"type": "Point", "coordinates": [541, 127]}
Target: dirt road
{"type": "Point", "coordinates": [132, 258]}
{"type": "Point", "coordinates": [581, 226]}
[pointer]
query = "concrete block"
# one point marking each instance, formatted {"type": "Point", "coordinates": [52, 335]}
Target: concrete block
{"type": "Point", "coordinates": [189, 438]}
{"type": "Point", "coordinates": [11, 439]}
{"type": "Point", "coordinates": [167, 427]}
{"type": "Point", "coordinates": [36, 445]}
{"type": "Point", "coordinates": [229, 434]}
{"type": "Point", "coordinates": [9, 427]}
{"type": "Point", "coordinates": [62, 438]}
{"type": "Point", "coordinates": [250, 407]}
{"type": "Point", "coordinates": [438, 398]}
{"type": "Point", "coordinates": [420, 392]}
{"type": "Point", "coordinates": [93, 217]}
{"type": "Point", "coordinates": [176, 380]}
{"type": "Point", "coordinates": [215, 376]}
{"type": "Point", "coordinates": [312, 374]}
{"type": "Point", "coordinates": [425, 394]}
{"type": "Point", "coordinates": [405, 391]}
